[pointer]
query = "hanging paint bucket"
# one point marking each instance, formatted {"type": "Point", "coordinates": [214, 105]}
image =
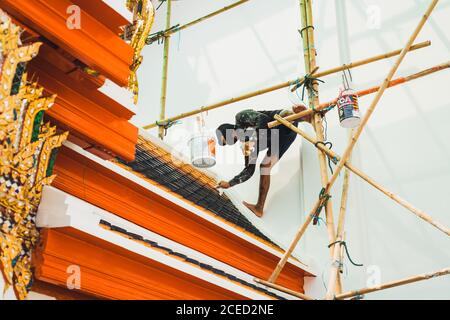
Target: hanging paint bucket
{"type": "Point", "coordinates": [203, 150]}
{"type": "Point", "coordinates": [348, 108]}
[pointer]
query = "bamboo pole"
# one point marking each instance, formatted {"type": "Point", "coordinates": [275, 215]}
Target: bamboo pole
{"type": "Point", "coordinates": [392, 284]}
{"type": "Point", "coordinates": [283, 289]}
{"type": "Point", "coordinates": [171, 31]}
{"type": "Point", "coordinates": [334, 277]}
{"type": "Point", "coordinates": [162, 113]}
{"type": "Point", "coordinates": [225, 102]}
{"type": "Point", "coordinates": [310, 54]}
{"type": "Point", "coordinates": [421, 214]}
{"type": "Point", "coordinates": [284, 85]}
{"type": "Point", "coordinates": [365, 92]}
{"type": "Point", "coordinates": [293, 244]}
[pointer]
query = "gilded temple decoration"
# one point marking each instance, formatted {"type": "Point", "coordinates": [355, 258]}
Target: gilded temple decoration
{"type": "Point", "coordinates": [27, 154]}
{"type": "Point", "coordinates": [136, 35]}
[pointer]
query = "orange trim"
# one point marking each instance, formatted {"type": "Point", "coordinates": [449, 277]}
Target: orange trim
{"type": "Point", "coordinates": [67, 64]}
{"type": "Point", "coordinates": [111, 272]}
{"type": "Point", "coordinates": [87, 111]}
{"type": "Point", "coordinates": [94, 43]}
{"type": "Point", "coordinates": [102, 187]}
{"type": "Point", "coordinates": [178, 258]}
{"type": "Point", "coordinates": [104, 13]}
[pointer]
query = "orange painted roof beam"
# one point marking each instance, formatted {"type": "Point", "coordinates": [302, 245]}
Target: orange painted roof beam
{"type": "Point", "coordinates": [86, 111]}
{"type": "Point", "coordinates": [111, 272]}
{"type": "Point", "coordinates": [69, 65]}
{"type": "Point", "coordinates": [93, 43]}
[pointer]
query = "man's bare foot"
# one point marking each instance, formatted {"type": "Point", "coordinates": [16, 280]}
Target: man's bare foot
{"type": "Point", "coordinates": [258, 212]}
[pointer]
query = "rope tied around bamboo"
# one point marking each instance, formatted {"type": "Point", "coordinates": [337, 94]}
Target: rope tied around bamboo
{"type": "Point", "coordinates": [323, 198]}
{"type": "Point", "coordinates": [305, 28]}
{"type": "Point", "coordinates": [161, 36]}
{"type": "Point", "coordinates": [342, 243]}
{"type": "Point", "coordinates": [329, 145]}
{"type": "Point", "coordinates": [166, 124]}
{"type": "Point", "coordinates": [310, 83]}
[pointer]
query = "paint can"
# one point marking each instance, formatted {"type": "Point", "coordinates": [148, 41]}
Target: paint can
{"type": "Point", "coordinates": [203, 150]}
{"type": "Point", "coordinates": [348, 109]}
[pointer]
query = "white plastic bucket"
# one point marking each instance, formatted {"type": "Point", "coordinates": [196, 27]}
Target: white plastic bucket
{"type": "Point", "coordinates": [348, 109]}
{"type": "Point", "coordinates": [203, 150]}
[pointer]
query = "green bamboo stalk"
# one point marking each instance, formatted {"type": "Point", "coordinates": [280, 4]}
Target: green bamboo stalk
{"type": "Point", "coordinates": [162, 113]}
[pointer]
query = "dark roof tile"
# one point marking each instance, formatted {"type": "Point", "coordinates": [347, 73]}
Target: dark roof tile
{"type": "Point", "coordinates": [149, 163]}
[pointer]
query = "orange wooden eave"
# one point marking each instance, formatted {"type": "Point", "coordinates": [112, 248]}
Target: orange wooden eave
{"type": "Point", "coordinates": [96, 122]}
{"type": "Point", "coordinates": [112, 192]}
{"type": "Point", "coordinates": [85, 111]}
{"type": "Point", "coordinates": [111, 272]}
{"type": "Point", "coordinates": [94, 43]}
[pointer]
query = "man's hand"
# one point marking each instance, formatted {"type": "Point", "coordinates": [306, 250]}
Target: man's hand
{"type": "Point", "coordinates": [223, 185]}
{"type": "Point", "coordinates": [300, 108]}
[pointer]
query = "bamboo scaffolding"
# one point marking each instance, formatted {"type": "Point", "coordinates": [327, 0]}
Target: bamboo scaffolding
{"type": "Point", "coordinates": [283, 85]}
{"type": "Point", "coordinates": [354, 139]}
{"type": "Point", "coordinates": [365, 92]}
{"type": "Point", "coordinates": [392, 284]}
{"type": "Point", "coordinates": [162, 113]}
{"type": "Point", "coordinates": [344, 161]}
{"type": "Point", "coordinates": [334, 279]}
{"type": "Point", "coordinates": [283, 289]}
{"type": "Point", "coordinates": [421, 214]}
{"type": "Point", "coordinates": [307, 33]}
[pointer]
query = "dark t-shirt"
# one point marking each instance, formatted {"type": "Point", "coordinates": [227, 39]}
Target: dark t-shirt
{"type": "Point", "coordinates": [247, 122]}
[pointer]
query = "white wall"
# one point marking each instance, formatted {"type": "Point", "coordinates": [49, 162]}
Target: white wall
{"type": "Point", "coordinates": [405, 146]}
{"type": "Point", "coordinates": [8, 294]}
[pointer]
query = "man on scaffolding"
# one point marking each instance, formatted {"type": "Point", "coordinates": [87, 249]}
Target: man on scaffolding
{"type": "Point", "coordinates": [252, 130]}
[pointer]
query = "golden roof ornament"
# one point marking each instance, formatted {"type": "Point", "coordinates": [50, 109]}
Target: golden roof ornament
{"type": "Point", "coordinates": [136, 34]}
{"type": "Point", "coordinates": [27, 154]}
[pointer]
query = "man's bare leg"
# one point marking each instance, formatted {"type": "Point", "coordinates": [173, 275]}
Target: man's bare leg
{"type": "Point", "coordinates": [264, 185]}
